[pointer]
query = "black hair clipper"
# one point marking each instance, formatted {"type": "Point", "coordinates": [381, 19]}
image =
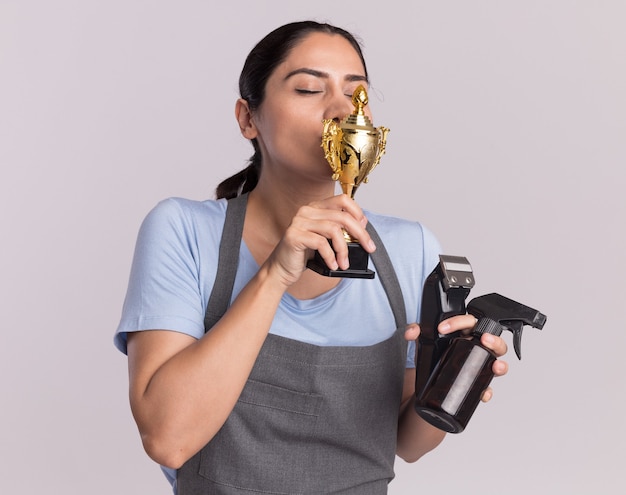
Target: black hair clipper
{"type": "Point", "coordinates": [444, 294]}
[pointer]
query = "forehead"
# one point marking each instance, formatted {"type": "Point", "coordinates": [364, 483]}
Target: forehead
{"type": "Point", "coordinates": [327, 52]}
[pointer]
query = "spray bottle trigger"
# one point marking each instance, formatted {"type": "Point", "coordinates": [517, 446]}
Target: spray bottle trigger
{"type": "Point", "coordinates": [516, 327]}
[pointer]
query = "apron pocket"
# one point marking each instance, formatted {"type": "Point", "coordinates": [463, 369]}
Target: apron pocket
{"type": "Point", "coordinates": [262, 394]}
{"type": "Point", "coordinates": [245, 453]}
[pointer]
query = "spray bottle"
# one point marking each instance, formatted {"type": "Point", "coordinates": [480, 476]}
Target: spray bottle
{"type": "Point", "coordinates": [454, 370]}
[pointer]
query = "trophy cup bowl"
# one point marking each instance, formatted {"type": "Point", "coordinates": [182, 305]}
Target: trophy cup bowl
{"type": "Point", "coordinates": [353, 149]}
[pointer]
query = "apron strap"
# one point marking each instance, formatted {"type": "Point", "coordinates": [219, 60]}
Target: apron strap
{"type": "Point", "coordinates": [228, 261]}
{"type": "Point", "coordinates": [388, 277]}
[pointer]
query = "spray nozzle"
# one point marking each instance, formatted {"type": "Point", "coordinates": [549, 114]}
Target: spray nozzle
{"type": "Point", "coordinates": [497, 313]}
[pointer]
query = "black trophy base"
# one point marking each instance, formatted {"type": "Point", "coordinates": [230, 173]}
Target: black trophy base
{"type": "Point", "coordinates": [358, 258]}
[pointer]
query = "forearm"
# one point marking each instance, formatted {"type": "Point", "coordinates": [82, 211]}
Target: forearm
{"type": "Point", "coordinates": [180, 404]}
{"type": "Point", "coordinates": [415, 436]}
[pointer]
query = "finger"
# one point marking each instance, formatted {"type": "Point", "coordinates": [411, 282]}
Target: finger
{"type": "Point", "coordinates": [455, 323]}
{"type": "Point", "coordinates": [298, 245]}
{"type": "Point", "coordinates": [412, 332]}
{"type": "Point", "coordinates": [348, 223]}
{"type": "Point", "coordinates": [346, 213]}
{"type": "Point", "coordinates": [340, 247]}
{"type": "Point", "coordinates": [316, 242]}
{"type": "Point", "coordinates": [495, 343]}
{"type": "Point", "coordinates": [315, 234]}
{"type": "Point", "coordinates": [487, 395]}
{"type": "Point", "coordinates": [343, 202]}
{"type": "Point", "coordinates": [500, 367]}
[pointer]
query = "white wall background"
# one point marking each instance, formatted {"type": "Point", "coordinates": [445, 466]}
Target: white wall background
{"type": "Point", "coordinates": [508, 139]}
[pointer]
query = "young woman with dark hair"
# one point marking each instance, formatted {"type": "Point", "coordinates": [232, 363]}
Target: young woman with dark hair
{"type": "Point", "coordinates": [250, 373]}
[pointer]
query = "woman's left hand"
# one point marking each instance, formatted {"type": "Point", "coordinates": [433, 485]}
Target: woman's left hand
{"type": "Point", "coordinates": [465, 324]}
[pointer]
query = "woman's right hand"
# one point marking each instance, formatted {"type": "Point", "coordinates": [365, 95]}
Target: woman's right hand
{"type": "Point", "coordinates": [311, 229]}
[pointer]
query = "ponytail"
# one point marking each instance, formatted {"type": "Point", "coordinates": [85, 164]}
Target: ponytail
{"type": "Point", "coordinates": [242, 182]}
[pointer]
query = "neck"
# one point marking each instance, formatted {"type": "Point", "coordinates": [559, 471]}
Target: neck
{"type": "Point", "coordinates": [275, 200]}
{"type": "Point", "coordinates": [272, 204]}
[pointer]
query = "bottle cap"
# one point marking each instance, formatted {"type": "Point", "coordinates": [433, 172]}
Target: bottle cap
{"type": "Point", "coordinates": [487, 325]}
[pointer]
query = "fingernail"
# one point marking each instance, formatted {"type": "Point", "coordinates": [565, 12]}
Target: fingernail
{"type": "Point", "coordinates": [444, 326]}
{"type": "Point", "coordinates": [488, 338]}
{"type": "Point", "coordinates": [345, 261]}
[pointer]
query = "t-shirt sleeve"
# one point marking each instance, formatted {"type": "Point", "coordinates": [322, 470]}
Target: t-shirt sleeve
{"type": "Point", "coordinates": [431, 252]}
{"type": "Point", "coordinates": [163, 290]}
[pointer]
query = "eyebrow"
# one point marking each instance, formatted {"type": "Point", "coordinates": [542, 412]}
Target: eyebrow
{"type": "Point", "coordinates": [324, 75]}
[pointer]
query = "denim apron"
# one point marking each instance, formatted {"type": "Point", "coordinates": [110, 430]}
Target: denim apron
{"type": "Point", "coordinates": [311, 419]}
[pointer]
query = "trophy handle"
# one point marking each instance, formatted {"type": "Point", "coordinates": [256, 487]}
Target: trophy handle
{"type": "Point", "coordinates": [382, 146]}
{"type": "Point", "coordinates": [331, 139]}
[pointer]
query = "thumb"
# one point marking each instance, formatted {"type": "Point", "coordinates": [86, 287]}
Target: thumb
{"type": "Point", "coordinates": [412, 332]}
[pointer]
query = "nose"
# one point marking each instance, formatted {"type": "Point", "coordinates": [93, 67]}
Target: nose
{"type": "Point", "coordinates": [339, 106]}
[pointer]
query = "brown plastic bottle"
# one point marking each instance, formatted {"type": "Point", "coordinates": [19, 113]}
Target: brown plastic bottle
{"type": "Point", "coordinates": [455, 386]}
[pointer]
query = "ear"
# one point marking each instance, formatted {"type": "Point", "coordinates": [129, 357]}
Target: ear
{"type": "Point", "coordinates": [244, 118]}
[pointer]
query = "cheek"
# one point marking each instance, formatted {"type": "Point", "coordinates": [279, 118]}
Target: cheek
{"type": "Point", "coordinates": [314, 139]}
{"type": "Point", "coordinates": [303, 131]}
{"type": "Point", "coordinates": [305, 139]}
{"type": "Point", "coordinates": [291, 131]}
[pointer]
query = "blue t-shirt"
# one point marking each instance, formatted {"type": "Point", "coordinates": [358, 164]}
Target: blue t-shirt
{"type": "Point", "coordinates": [175, 264]}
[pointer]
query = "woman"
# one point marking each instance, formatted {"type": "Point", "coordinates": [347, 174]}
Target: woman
{"type": "Point", "coordinates": [301, 383]}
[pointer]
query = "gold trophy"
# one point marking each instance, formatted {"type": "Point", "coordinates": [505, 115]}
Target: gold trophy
{"type": "Point", "coordinates": [352, 148]}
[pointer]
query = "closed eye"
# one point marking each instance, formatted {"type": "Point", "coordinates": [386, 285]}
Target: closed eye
{"type": "Point", "coordinates": [307, 91]}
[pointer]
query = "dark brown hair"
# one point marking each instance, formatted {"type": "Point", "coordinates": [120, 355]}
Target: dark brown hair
{"type": "Point", "coordinates": [258, 67]}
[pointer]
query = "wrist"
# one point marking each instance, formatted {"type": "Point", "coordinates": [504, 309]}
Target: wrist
{"type": "Point", "coordinates": [272, 279]}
